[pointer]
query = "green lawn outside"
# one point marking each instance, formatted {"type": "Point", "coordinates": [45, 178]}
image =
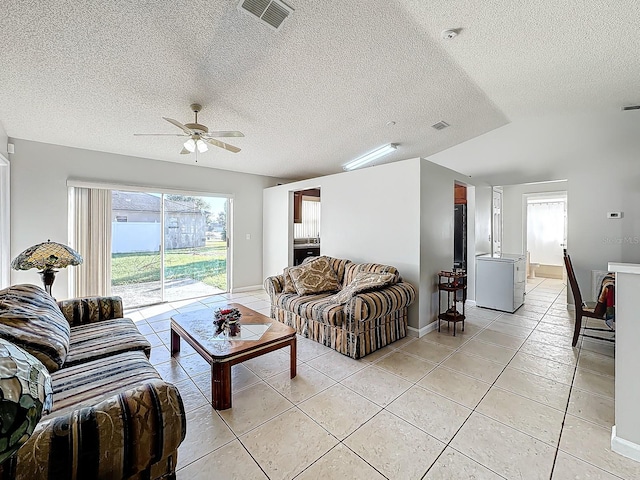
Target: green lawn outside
{"type": "Point", "coordinates": [207, 264]}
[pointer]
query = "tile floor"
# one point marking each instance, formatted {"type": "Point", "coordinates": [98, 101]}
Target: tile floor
{"type": "Point", "coordinates": [508, 398]}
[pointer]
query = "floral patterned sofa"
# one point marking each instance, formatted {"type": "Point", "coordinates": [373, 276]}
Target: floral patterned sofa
{"type": "Point", "coordinates": [354, 308]}
{"type": "Point", "coordinates": [112, 415]}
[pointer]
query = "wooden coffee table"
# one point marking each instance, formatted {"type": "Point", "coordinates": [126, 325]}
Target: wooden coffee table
{"type": "Point", "coordinates": [258, 335]}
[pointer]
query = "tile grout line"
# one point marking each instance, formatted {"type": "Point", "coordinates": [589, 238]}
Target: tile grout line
{"type": "Point", "coordinates": [564, 418]}
{"type": "Point", "coordinates": [448, 444]}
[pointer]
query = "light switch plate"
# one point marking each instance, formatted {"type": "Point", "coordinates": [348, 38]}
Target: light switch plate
{"type": "Point", "coordinates": [614, 214]}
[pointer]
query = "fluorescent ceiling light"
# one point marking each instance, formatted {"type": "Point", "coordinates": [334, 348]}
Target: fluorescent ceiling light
{"type": "Point", "coordinates": [202, 147]}
{"type": "Point", "coordinates": [369, 157]}
{"type": "Point", "coordinates": [190, 145]}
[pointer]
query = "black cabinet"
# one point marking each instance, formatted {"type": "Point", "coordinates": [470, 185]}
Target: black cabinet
{"type": "Point", "coordinates": [299, 254]}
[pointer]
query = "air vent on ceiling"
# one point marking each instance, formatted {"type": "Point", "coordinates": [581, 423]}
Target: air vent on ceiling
{"type": "Point", "coordinates": [271, 12]}
{"type": "Point", "coordinates": [441, 125]}
{"type": "Point", "coordinates": [631, 107]}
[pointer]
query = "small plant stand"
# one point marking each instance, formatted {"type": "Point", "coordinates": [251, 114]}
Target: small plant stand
{"type": "Point", "coordinates": [455, 287]}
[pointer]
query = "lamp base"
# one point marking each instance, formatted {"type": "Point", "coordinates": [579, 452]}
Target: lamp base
{"type": "Point", "coordinates": [48, 276]}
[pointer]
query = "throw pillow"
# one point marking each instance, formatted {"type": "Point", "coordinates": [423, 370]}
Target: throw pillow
{"type": "Point", "coordinates": [289, 287]}
{"type": "Point", "coordinates": [364, 281]}
{"type": "Point", "coordinates": [31, 319]}
{"type": "Point", "coordinates": [314, 276]}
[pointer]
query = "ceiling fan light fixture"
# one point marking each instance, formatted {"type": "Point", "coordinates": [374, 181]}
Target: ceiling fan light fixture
{"type": "Point", "coordinates": [202, 146]}
{"type": "Point", "coordinates": [190, 145]}
{"type": "Point", "coordinates": [371, 156]}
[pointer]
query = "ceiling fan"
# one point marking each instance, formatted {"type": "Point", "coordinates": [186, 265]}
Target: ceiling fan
{"type": "Point", "coordinates": [199, 135]}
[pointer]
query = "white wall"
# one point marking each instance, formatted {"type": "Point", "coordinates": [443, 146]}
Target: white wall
{"type": "Point", "coordinates": [513, 214]}
{"type": "Point", "coordinates": [399, 214]}
{"type": "Point", "coordinates": [436, 234]}
{"type": "Point", "coordinates": [437, 231]}
{"type": "Point", "coordinates": [593, 239]}
{"type": "Point", "coordinates": [39, 206]}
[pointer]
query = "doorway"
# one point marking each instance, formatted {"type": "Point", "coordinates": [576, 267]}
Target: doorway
{"type": "Point", "coordinates": [168, 247]}
{"type": "Point", "coordinates": [546, 233]}
{"type": "Point", "coordinates": [460, 227]}
{"type": "Point", "coordinates": [306, 224]}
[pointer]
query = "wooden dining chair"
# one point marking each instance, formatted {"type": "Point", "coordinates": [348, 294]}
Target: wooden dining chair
{"type": "Point", "coordinates": [583, 309]}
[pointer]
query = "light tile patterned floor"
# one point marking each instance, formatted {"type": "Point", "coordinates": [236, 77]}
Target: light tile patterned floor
{"type": "Point", "coordinates": [508, 398]}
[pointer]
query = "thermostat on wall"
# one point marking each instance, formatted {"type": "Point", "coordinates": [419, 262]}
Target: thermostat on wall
{"type": "Point", "coordinates": [614, 214]}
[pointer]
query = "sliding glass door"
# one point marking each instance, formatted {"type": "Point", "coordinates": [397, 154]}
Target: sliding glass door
{"type": "Point", "coordinates": [167, 247]}
{"type": "Point", "coordinates": [195, 242]}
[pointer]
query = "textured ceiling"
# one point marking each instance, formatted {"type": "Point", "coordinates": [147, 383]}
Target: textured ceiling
{"type": "Point", "coordinates": [315, 94]}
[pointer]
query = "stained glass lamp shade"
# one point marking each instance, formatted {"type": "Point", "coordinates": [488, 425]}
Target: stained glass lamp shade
{"type": "Point", "coordinates": [25, 395]}
{"type": "Point", "coordinates": [46, 257]}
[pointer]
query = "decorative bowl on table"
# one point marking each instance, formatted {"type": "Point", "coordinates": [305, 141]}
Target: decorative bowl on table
{"type": "Point", "coordinates": [227, 320]}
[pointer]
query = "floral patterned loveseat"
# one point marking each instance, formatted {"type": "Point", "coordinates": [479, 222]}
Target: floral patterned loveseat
{"type": "Point", "coordinates": [354, 308]}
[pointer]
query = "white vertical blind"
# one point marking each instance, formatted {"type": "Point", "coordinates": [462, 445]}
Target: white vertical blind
{"type": "Point", "coordinates": [310, 226]}
{"type": "Point", "coordinates": [546, 232]}
{"type": "Point", "coordinates": [92, 239]}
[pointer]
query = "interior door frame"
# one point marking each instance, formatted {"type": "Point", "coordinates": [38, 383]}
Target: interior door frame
{"type": "Point", "coordinates": [5, 222]}
{"type": "Point", "coordinates": [497, 229]}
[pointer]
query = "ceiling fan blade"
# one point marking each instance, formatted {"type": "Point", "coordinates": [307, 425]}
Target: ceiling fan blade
{"type": "Point", "coordinates": [160, 135]}
{"type": "Point", "coordinates": [184, 151]}
{"type": "Point", "coordinates": [224, 133]}
{"type": "Point", "coordinates": [179, 125]}
{"type": "Point", "coordinates": [226, 146]}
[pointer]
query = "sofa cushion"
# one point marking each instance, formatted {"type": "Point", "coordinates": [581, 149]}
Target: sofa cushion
{"type": "Point", "coordinates": [31, 319]}
{"type": "Point", "coordinates": [352, 269]}
{"type": "Point", "coordinates": [91, 382]}
{"type": "Point", "coordinates": [102, 339]}
{"type": "Point", "coordinates": [315, 276]}
{"type": "Point", "coordinates": [26, 395]}
{"type": "Point", "coordinates": [362, 282]}
{"type": "Point", "coordinates": [318, 307]}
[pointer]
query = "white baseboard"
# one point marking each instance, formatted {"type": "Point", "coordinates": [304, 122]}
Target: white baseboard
{"type": "Point", "coordinates": [624, 447]}
{"type": "Point", "coordinates": [470, 303]}
{"type": "Point", "coordinates": [414, 332]}
{"type": "Point", "coordinates": [247, 289]}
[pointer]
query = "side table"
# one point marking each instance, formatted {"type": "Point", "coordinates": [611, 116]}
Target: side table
{"type": "Point", "coordinates": [451, 283]}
